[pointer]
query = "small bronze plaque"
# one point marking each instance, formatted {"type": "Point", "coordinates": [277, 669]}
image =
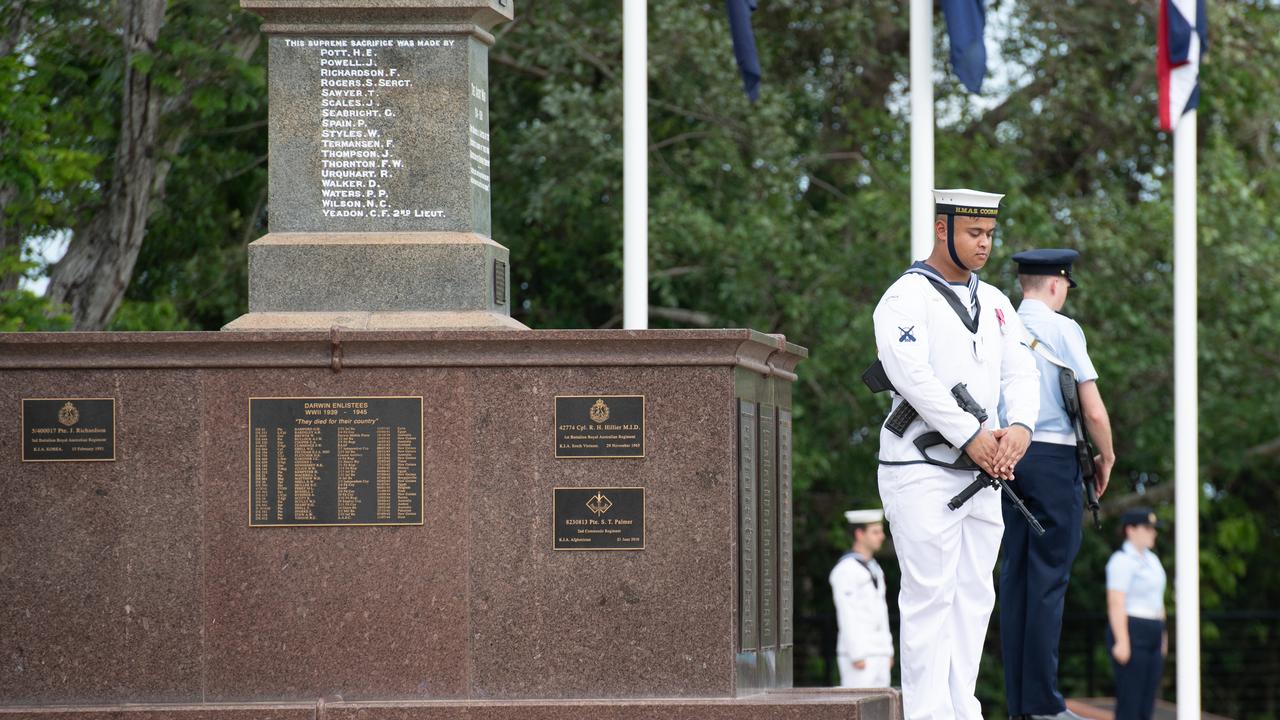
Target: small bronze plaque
{"type": "Point", "coordinates": [768, 527]}
{"type": "Point", "coordinates": [749, 597]}
{"type": "Point", "coordinates": [599, 518]}
{"type": "Point", "coordinates": [335, 461]}
{"type": "Point", "coordinates": [786, 569]}
{"type": "Point", "coordinates": [499, 282]}
{"type": "Point", "coordinates": [68, 429]}
{"type": "Point", "coordinates": [599, 426]}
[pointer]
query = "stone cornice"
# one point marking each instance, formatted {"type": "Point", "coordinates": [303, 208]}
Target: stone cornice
{"type": "Point", "coordinates": [340, 349]}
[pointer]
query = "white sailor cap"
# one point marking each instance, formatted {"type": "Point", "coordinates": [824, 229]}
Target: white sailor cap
{"type": "Point", "coordinates": [966, 202]}
{"type": "Point", "coordinates": [864, 517]}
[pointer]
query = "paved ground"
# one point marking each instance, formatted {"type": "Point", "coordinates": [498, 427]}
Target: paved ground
{"type": "Point", "coordinates": [1102, 709]}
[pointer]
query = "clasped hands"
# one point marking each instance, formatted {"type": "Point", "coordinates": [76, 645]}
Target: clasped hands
{"type": "Point", "coordinates": [997, 452]}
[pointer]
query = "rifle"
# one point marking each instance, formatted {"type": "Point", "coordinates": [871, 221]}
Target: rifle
{"type": "Point", "coordinates": [877, 380]}
{"type": "Point", "coordinates": [1084, 450]}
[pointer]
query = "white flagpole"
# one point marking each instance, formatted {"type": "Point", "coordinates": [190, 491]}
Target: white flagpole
{"type": "Point", "coordinates": [922, 207]}
{"type": "Point", "coordinates": [635, 167]}
{"type": "Point", "coordinates": [1186, 419]}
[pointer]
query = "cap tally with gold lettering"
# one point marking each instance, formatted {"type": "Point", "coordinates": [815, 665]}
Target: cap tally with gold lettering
{"type": "Point", "coordinates": [974, 203]}
{"type": "Point", "coordinates": [1047, 261]}
{"type": "Point", "coordinates": [864, 517]}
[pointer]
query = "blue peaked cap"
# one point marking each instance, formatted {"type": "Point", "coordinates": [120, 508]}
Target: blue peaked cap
{"type": "Point", "coordinates": [1047, 261]}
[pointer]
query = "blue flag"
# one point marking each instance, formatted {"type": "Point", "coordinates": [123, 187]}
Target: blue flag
{"type": "Point", "coordinates": [965, 22]}
{"type": "Point", "coordinates": [744, 45]}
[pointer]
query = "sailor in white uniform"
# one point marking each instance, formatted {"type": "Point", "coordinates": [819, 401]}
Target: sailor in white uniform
{"type": "Point", "coordinates": [936, 327]}
{"type": "Point", "coordinates": [864, 646]}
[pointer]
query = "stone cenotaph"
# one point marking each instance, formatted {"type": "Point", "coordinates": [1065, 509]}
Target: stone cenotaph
{"type": "Point", "coordinates": [376, 496]}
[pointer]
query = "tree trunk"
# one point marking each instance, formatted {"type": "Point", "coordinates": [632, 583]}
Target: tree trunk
{"type": "Point", "coordinates": [10, 239]}
{"type": "Point", "coordinates": [10, 233]}
{"type": "Point", "coordinates": [91, 279]}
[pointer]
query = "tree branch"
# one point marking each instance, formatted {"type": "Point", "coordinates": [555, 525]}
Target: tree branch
{"type": "Point", "coordinates": [680, 138]}
{"type": "Point", "coordinates": [505, 59]}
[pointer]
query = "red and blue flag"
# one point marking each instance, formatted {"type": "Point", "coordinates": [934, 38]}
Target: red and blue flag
{"type": "Point", "coordinates": [1182, 36]}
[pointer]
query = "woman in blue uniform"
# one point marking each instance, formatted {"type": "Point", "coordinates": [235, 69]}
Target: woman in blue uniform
{"type": "Point", "coordinates": [1135, 610]}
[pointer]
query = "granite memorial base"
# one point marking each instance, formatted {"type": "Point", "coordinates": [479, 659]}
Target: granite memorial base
{"type": "Point", "coordinates": [392, 525]}
{"type": "Point", "coordinates": [816, 704]}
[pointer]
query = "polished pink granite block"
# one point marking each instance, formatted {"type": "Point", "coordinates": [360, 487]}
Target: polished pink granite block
{"type": "Point", "coordinates": [658, 621]}
{"type": "Point", "coordinates": [139, 580]}
{"type": "Point", "coordinates": [356, 612]}
{"type": "Point", "coordinates": [101, 595]}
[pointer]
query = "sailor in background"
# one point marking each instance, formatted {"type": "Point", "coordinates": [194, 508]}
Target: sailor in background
{"type": "Point", "coordinates": [1135, 612]}
{"type": "Point", "coordinates": [1035, 570]}
{"type": "Point", "coordinates": [938, 326]}
{"type": "Point", "coordinates": [864, 646]}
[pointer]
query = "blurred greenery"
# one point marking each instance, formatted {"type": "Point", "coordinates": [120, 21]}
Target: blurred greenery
{"type": "Point", "coordinates": [788, 215]}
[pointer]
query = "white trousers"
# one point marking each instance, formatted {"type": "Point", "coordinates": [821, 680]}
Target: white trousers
{"type": "Point", "coordinates": [947, 559]}
{"type": "Point", "coordinates": [874, 675]}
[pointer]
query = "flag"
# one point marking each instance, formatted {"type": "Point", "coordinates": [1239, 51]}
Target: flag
{"type": "Point", "coordinates": [965, 22]}
{"type": "Point", "coordinates": [1181, 38]}
{"type": "Point", "coordinates": [744, 44]}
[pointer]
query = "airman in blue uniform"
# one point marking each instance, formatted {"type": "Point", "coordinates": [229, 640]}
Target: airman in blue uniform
{"type": "Point", "coordinates": [1136, 619]}
{"type": "Point", "coordinates": [1035, 570]}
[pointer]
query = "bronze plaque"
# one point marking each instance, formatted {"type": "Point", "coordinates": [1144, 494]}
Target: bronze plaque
{"type": "Point", "coordinates": [68, 429]}
{"type": "Point", "coordinates": [768, 527]}
{"type": "Point", "coordinates": [599, 518]}
{"type": "Point", "coordinates": [335, 461]}
{"type": "Point", "coordinates": [599, 426]}
{"type": "Point", "coordinates": [499, 282]}
{"type": "Point", "coordinates": [748, 590]}
{"type": "Point", "coordinates": [786, 568]}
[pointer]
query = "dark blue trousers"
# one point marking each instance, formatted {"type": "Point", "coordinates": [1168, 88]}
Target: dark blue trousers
{"type": "Point", "coordinates": [1034, 575]}
{"type": "Point", "coordinates": [1138, 680]}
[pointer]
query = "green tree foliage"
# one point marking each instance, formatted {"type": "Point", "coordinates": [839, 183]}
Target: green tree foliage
{"type": "Point", "coordinates": [789, 215]}
{"type": "Point", "coordinates": [59, 127]}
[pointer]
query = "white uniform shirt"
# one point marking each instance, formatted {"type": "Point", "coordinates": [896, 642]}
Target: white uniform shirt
{"type": "Point", "coordinates": [926, 349]}
{"type": "Point", "coordinates": [1064, 338]}
{"type": "Point", "coordinates": [861, 611]}
{"type": "Point", "coordinates": [1140, 576]}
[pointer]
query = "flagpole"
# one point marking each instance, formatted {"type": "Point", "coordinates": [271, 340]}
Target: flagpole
{"type": "Point", "coordinates": [922, 208]}
{"type": "Point", "coordinates": [1186, 419]}
{"type": "Point", "coordinates": [635, 168]}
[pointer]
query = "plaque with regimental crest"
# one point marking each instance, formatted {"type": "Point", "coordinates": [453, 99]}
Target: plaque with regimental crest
{"type": "Point", "coordinates": [335, 461]}
{"type": "Point", "coordinates": [599, 426]}
{"type": "Point", "coordinates": [599, 518]}
{"type": "Point", "coordinates": [68, 429]}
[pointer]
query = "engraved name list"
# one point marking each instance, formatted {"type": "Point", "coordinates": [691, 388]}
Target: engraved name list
{"type": "Point", "coordinates": [379, 158]}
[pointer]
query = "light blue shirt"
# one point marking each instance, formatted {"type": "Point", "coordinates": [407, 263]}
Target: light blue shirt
{"type": "Point", "coordinates": [1064, 338]}
{"type": "Point", "coordinates": [1139, 575]}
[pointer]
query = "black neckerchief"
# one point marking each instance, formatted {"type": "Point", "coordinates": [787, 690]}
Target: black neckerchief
{"type": "Point", "coordinates": [940, 284]}
{"type": "Point", "coordinates": [866, 564]}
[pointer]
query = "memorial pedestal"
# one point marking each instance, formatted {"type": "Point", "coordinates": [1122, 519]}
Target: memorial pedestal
{"type": "Point", "coordinates": [144, 579]}
{"type": "Point", "coordinates": [379, 169]}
